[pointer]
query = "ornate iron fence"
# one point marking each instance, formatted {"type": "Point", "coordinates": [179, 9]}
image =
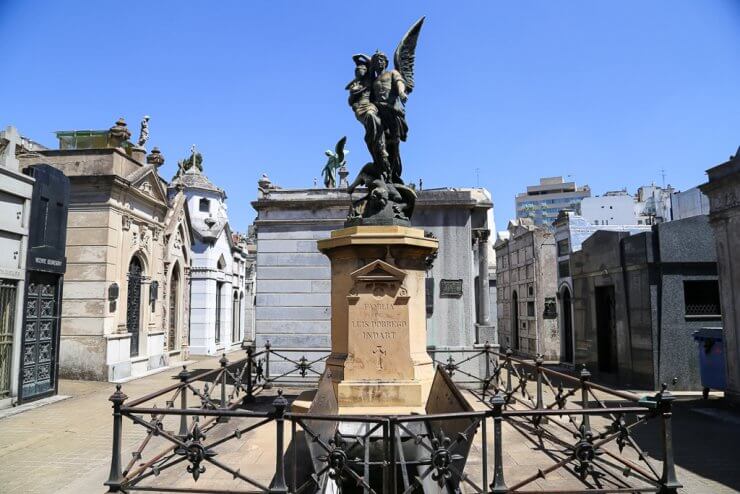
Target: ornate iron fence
{"type": "Point", "coordinates": [582, 429]}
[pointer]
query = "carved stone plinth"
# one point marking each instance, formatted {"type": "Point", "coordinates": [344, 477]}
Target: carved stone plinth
{"type": "Point", "coordinates": [379, 362]}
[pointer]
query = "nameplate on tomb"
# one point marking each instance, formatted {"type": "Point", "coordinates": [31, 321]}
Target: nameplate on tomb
{"type": "Point", "coordinates": [450, 288]}
{"type": "Point", "coordinates": [378, 336]}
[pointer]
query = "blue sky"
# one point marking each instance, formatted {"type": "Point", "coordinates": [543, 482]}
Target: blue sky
{"type": "Point", "coordinates": [608, 92]}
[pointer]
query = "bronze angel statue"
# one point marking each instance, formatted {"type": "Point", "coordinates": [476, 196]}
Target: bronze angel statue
{"type": "Point", "coordinates": [336, 161]}
{"type": "Point", "coordinates": [378, 97]}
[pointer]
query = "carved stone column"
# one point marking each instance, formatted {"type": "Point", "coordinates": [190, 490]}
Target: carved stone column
{"type": "Point", "coordinates": [484, 328]}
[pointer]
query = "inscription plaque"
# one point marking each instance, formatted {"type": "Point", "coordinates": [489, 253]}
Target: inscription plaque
{"type": "Point", "coordinates": [378, 338]}
{"type": "Point", "coordinates": [450, 288]}
{"type": "Point", "coordinates": [551, 308]}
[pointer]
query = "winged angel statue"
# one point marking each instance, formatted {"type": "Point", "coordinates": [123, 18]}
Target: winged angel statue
{"type": "Point", "coordinates": [336, 161]}
{"type": "Point", "coordinates": [378, 96]}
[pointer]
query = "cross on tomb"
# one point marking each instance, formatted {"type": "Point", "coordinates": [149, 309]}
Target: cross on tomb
{"type": "Point", "coordinates": [9, 139]}
{"type": "Point", "coordinates": [380, 352]}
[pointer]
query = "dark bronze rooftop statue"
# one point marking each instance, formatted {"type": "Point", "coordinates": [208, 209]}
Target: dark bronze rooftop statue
{"type": "Point", "coordinates": [378, 97]}
{"type": "Point", "coordinates": [336, 161]}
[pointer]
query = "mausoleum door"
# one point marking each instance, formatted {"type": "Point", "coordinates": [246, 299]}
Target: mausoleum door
{"type": "Point", "coordinates": [235, 319]}
{"type": "Point", "coordinates": [567, 325]}
{"type": "Point", "coordinates": [515, 321]}
{"type": "Point", "coordinates": [173, 310]}
{"type": "Point", "coordinates": [7, 326]}
{"type": "Point", "coordinates": [40, 329]}
{"type": "Point", "coordinates": [133, 304]}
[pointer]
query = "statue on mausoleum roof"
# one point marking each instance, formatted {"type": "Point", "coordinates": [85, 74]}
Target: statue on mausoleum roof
{"type": "Point", "coordinates": [378, 96]}
{"type": "Point", "coordinates": [144, 131]}
{"type": "Point", "coordinates": [336, 160]}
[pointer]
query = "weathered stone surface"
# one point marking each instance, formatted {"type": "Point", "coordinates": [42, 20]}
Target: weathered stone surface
{"type": "Point", "coordinates": [296, 313]}
{"type": "Point", "coordinates": [379, 356]}
{"type": "Point", "coordinates": [118, 211]}
{"type": "Point", "coordinates": [298, 259]}
{"type": "Point", "coordinates": [294, 300]}
{"type": "Point", "coordinates": [296, 327]}
{"type": "Point", "coordinates": [284, 273]}
{"type": "Point", "coordinates": [291, 216]}
{"type": "Point", "coordinates": [723, 191]}
{"type": "Point", "coordinates": [83, 357]}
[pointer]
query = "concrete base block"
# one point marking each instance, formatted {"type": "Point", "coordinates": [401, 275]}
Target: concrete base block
{"type": "Point", "coordinates": [390, 394]}
{"type": "Point", "coordinates": [118, 371]}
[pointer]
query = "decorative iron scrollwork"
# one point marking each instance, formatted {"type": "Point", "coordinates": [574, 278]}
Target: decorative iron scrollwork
{"type": "Point", "coordinates": [336, 458]}
{"type": "Point", "coordinates": [196, 453]}
{"type": "Point", "coordinates": [442, 458]}
{"type": "Point", "coordinates": [584, 452]}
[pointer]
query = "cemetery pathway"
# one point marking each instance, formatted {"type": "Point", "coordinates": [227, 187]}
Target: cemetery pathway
{"type": "Point", "coordinates": [65, 447]}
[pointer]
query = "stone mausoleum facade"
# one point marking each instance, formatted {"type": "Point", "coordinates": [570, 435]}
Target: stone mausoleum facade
{"type": "Point", "coordinates": [16, 189]}
{"type": "Point", "coordinates": [526, 290]}
{"type": "Point", "coordinates": [571, 230]}
{"type": "Point", "coordinates": [723, 191]}
{"type": "Point", "coordinates": [293, 307]}
{"type": "Point", "coordinates": [218, 273]}
{"type": "Point", "coordinates": [127, 258]}
{"type": "Point", "coordinates": [637, 299]}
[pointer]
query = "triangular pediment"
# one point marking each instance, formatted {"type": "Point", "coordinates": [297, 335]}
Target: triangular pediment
{"type": "Point", "coordinates": [378, 271]}
{"type": "Point", "coordinates": [146, 181]}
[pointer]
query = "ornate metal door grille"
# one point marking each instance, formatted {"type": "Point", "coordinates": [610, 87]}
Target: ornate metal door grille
{"type": "Point", "coordinates": [174, 289]}
{"type": "Point", "coordinates": [133, 304]}
{"type": "Point", "coordinates": [219, 291]}
{"type": "Point", "coordinates": [7, 323]}
{"type": "Point", "coordinates": [39, 336]}
{"type": "Point", "coordinates": [235, 319]}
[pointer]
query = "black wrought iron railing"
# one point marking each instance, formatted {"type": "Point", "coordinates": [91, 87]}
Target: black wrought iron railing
{"type": "Point", "coordinates": [579, 431]}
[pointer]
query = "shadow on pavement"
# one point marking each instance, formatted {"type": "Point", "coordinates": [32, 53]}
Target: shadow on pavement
{"type": "Point", "coordinates": [706, 439]}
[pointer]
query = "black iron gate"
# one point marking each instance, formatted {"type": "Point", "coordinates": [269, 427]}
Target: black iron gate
{"type": "Point", "coordinates": [133, 304]}
{"type": "Point", "coordinates": [7, 325]}
{"type": "Point", "coordinates": [40, 329]}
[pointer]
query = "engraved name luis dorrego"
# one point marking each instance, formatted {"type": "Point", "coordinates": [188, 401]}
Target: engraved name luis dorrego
{"type": "Point", "coordinates": [379, 320]}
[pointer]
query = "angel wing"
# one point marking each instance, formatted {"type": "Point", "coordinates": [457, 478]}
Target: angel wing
{"type": "Point", "coordinates": [403, 59]}
{"type": "Point", "coordinates": [340, 149]}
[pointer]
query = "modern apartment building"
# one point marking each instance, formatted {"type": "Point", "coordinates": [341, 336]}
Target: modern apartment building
{"type": "Point", "coordinates": [543, 202]}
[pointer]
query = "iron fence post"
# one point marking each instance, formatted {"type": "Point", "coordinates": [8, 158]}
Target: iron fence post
{"type": "Point", "coordinates": [484, 448]}
{"type": "Point", "coordinates": [668, 480]}
{"type": "Point", "coordinates": [184, 375]}
{"type": "Point", "coordinates": [266, 377]}
{"type": "Point", "coordinates": [224, 362]}
{"type": "Point", "coordinates": [280, 404]}
{"type": "Point", "coordinates": [498, 486]}
{"type": "Point", "coordinates": [487, 381]}
{"type": "Point", "coordinates": [386, 457]}
{"type": "Point", "coordinates": [539, 360]}
{"type": "Point", "coordinates": [115, 478]}
{"type": "Point", "coordinates": [249, 398]}
{"type": "Point", "coordinates": [508, 370]}
{"type": "Point", "coordinates": [392, 455]}
{"type": "Point", "coordinates": [585, 376]}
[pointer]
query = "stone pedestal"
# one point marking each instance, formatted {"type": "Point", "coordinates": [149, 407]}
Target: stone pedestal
{"type": "Point", "coordinates": [379, 362]}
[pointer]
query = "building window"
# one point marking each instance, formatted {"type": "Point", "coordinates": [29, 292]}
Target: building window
{"type": "Point", "coordinates": [219, 292]}
{"type": "Point", "coordinates": [530, 309]}
{"type": "Point", "coordinates": [563, 247]}
{"type": "Point", "coordinates": [701, 299]}
{"type": "Point", "coordinates": [204, 205]}
{"type": "Point", "coordinates": [563, 269]}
